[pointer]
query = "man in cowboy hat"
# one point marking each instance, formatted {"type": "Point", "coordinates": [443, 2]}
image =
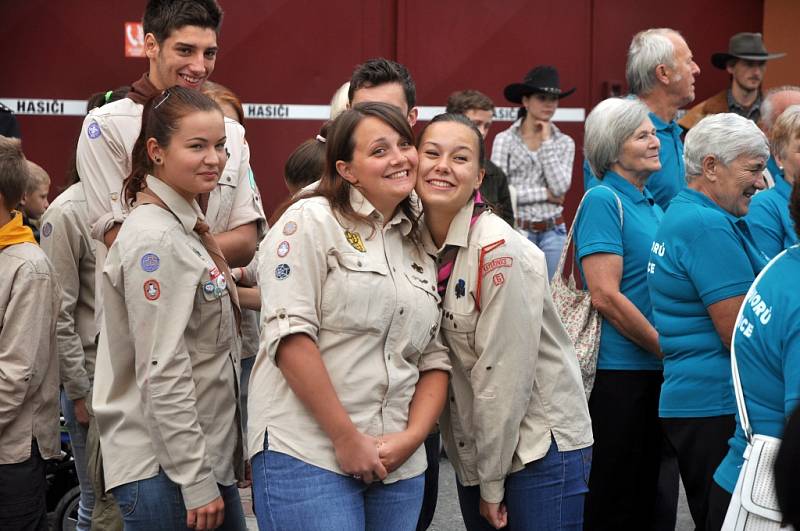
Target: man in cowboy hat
{"type": "Point", "coordinates": [746, 62]}
{"type": "Point", "coordinates": [537, 158]}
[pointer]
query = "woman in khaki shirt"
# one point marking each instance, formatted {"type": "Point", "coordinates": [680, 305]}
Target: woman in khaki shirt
{"type": "Point", "coordinates": [516, 425]}
{"type": "Point", "coordinates": [349, 378]}
{"type": "Point", "coordinates": [166, 393]}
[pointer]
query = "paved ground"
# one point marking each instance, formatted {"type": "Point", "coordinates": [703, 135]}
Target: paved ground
{"type": "Point", "coordinates": [448, 515]}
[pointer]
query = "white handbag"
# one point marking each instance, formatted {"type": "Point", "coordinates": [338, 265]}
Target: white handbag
{"type": "Point", "coordinates": [574, 306]}
{"type": "Point", "coordinates": [754, 503]}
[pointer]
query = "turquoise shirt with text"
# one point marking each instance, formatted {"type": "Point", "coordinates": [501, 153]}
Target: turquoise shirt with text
{"type": "Point", "coordinates": [671, 178]}
{"type": "Point", "coordinates": [598, 230]}
{"type": "Point", "coordinates": [769, 219]}
{"type": "Point", "coordinates": [768, 356]}
{"type": "Point", "coordinates": [701, 255]}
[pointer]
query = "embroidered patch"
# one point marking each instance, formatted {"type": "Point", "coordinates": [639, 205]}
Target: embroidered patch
{"type": "Point", "coordinates": [282, 271]}
{"type": "Point", "coordinates": [283, 248]}
{"type": "Point", "coordinates": [416, 267]}
{"type": "Point", "coordinates": [150, 262]}
{"type": "Point", "coordinates": [290, 228]}
{"type": "Point", "coordinates": [213, 272]}
{"type": "Point", "coordinates": [498, 279]}
{"type": "Point", "coordinates": [503, 261]}
{"type": "Point", "coordinates": [221, 282]}
{"type": "Point", "coordinates": [47, 229]}
{"type": "Point", "coordinates": [354, 239]}
{"type": "Point", "coordinates": [252, 178]}
{"type": "Point", "coordinates": [93, 131]}
{"type": "Point", "coordinates": [208, 287]}
{"type": "Point", "coordinates": [152, 290]}
{"type": "Point", "coordinates": [461, 288]}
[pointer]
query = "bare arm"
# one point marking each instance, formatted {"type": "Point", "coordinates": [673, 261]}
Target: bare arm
{"type": "Point", "coordinates": [723, 315]}
{"type": "Point", "coordinates": [249, 298]}
{"type": "Point", "coordinates": [603, 272]}
{"type": "Point", "coordinates": [239, 244]}
{"type": "Point", "coordinates": [300, 362]}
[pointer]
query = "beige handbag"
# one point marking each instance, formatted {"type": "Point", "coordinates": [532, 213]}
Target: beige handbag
{"type": "Point", "coordinates": [581, 320]}
{"type": "Point", "coordinates": [754, 503]}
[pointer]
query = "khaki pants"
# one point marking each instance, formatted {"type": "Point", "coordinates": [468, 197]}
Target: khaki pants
{"type": "Point", "coordinates": [106, 515]}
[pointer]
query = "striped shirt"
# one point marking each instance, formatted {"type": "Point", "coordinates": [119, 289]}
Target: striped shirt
{"type": "Point", "coordinates": [533, 173]}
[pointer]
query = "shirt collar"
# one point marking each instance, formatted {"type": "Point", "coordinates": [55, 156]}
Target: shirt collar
{"type": "Point", "coordinates": [783, 187]}
{"type": "Point", "coordinates": [693, 196]}
{"type": "Point", "coordinates": [363, 207]}
{"type": "Point", "coordinates": [622, 185]}
{"type": "Point", "coordinates": [660, 125]}
{"type": "Point", "coordinates": [518, 123]}
{"type": "Point", "coordinates": [187, 213]}
{"type": "Point", "coordinates": [457, 233]}
{"type": "Point", "coordinates": [734, 106]}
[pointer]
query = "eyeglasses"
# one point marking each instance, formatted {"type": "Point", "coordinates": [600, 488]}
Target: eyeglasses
{"type": "Point", "coordinates": [164, 96]}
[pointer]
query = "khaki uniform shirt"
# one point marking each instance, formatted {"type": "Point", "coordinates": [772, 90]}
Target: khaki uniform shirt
{"type": "Point", "coordinates": [368, 298]}
{"type": "Point", "coordinates": [66, 240]}
{"type": "Point", "coordinates": [29, 305]}
{"type": "Point", "coordinates": [516, 382]}
{"type": "Point", "coordinates": [166, 386]}
{"type": "Point", "coordinates": [104, 161]}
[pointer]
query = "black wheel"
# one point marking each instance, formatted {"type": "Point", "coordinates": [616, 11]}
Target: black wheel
{"type": "Point", "coordinates": [66, 512]}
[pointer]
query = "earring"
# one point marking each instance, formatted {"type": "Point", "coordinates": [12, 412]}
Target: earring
{"type": "Point", "coordinates": [157, 160]}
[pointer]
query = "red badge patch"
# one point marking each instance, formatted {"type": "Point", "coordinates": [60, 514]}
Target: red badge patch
{"type": "Point", "coordinates": [152, 290]}
{"type": "Point", "coordinates": [503, 261]}
{"type": "Point", "coordinates": [498, 279]}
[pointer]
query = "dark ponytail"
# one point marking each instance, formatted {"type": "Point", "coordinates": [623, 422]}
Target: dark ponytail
{"type": "Point", "coordinates": [160, 119]}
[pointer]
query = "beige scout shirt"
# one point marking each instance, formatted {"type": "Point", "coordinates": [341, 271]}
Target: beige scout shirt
{"type": "Point", "coordinates": [104, 161]}
{"type": "Point", "coordinates": [66, 240]}
{"type": "Point", "coordinates": [369, 301]}
{"type": "Point", "coordinates": [29, 305]}
{"type": "Point", "coordinates": [166, 380]}
{"type": "Point", "coordinates": [516, 380]}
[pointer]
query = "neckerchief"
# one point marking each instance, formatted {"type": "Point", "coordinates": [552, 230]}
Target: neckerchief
{"type": "Point", "coordinates": [142, 90]}
{"type": "Point", "coordinates": [448, 257]}
{"type": "Point", "coordinates": [15, 232]}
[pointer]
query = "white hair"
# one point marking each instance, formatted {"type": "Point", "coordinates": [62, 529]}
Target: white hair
{"type": "Point", "coordinates": [339, 100]}
{"type": "Point", "coordinates": [726, 136]}
{"type": "Point", "coordinates": [768, 105]}
{"type": "Point", "coordinates": [608, 126]}
{"type": "Point", "coordinates": [648, 49]}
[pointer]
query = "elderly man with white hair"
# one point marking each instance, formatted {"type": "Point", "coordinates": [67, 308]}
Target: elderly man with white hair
{"type": "Point", "coordinates": [702, 262]}
{"type": "Point", "coordinates": [660, 71]}
{"type": "Point", "coordinates": [776, 101]}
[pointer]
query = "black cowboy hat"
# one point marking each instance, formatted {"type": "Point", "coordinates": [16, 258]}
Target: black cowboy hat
{"type": "Point", "coordinates": [748, 46]}
{"type": "Point", "coordinates": [540, 80]}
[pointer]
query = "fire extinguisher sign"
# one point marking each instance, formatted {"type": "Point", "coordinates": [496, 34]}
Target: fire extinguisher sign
{"type": "Point", "coordinates": [134, 39]}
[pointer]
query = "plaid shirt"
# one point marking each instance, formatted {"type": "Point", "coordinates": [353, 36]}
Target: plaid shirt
{"type": "Point", "coordinates": [533, 173]}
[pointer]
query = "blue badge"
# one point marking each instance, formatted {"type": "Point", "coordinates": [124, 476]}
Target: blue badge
{"type": "Point", "coordinates": [47, 229]}
{"type": "Point", "coordinates": [93, 131]}
{"type": "Point", "coordinates": [461, 288]}
{"type": "Point", "coordinates": [282, 271]}
{"type": "Point", "coordinates": [150, 262]}
{"type": "Point", "coordinates": [208, 287]}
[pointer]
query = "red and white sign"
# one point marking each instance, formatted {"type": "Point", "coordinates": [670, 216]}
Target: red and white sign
{"type": "Point", "coordinates": [134, 39]}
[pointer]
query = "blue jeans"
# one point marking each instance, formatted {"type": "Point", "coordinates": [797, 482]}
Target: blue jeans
{"type": "Point", "coordinates": [290, 494]}
{"type": "Point", "coordinates": [550, 242]}
{"type": "Point", "coordinates": [77, 439]}
{"type": "Point", "coordinates": [156, 504]}
{"type": "Point", "coordinates": [546, 495]}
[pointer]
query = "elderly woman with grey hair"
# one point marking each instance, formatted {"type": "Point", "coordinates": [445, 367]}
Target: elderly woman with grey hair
{"type": "Point", "coordinates": [614, 229]}
{"type": "Point", "coordinates": [702, 263]}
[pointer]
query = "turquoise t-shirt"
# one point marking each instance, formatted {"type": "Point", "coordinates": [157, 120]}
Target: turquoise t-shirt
{"type": "Point", "coordinates": [671, 178]}
{"type": "Point", "coordinates": [598, 230]}
{"type": "Point", "coordinates": [769, 218]}
{"type": "Point", "coordinates": [768, 355]}
{"type": "Point", "coordinates": [701, 255]}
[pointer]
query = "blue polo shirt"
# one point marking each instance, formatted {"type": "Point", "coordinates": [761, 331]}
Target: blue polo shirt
{"type": "Point", "coordinates": [768, 355]}
{"type": "Point", "coordinates": [598, 230]}
{"type": "Point", "coordinates": [769, 218]}
{"type": "Point", "coordinates": [671, 178]}
{"type": "Point", "coordinates": [701, 255]}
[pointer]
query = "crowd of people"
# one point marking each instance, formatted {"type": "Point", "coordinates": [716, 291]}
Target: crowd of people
{"type": "Point", "coordinates": [401, 299]}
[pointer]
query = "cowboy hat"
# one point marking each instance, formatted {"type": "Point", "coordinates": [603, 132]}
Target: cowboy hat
{"type": "Point", "coordinates": [747, 46]}
{"type": "Point", "coordinates": [540, 80]}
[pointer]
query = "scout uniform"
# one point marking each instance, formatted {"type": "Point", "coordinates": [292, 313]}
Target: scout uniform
{"type": "Point", "coordinates": [367, 296]}
{"type": "Point", "coordinates": [516, 385]}
{"type": "Point", "coordinates": [168, 357]}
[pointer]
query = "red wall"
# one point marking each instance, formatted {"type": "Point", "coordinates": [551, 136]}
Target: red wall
{"type": "Point", "coordinates": [300, 51]}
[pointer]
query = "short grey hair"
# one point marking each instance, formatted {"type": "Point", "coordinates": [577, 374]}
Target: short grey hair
{"type": "Point", "coordinates": [608, 126]}
{"type": "Point", "coordinates": [648, 49]}
{"type": "Point", "coordinates": [726, 136]}
{"type": "Point", "coordinates": [768, 105]}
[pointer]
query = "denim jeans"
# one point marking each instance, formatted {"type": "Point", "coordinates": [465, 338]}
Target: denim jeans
{"type": "Point", "coordinates": [550, 242]}
{"type": "Point", "coordinates": [22, 494]}
{"type": "Point", "coordinates": [546, 495]}
{"type": "Point", "coordinates": [290, 494]}
{"type": "Point", "coordinates": [77, 439]}
{"type": "Point", "coordinates": [156, 504]}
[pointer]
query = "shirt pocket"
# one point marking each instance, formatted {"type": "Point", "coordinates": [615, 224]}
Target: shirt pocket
{"type": "Point", "coordinates": [214, 327]}
{"type": "Point", "coordinates": [356, 295]}
{"type": "Point", "coordinates": [425, 313]}
{"type": "Point", "coordinates": [459, 332]}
